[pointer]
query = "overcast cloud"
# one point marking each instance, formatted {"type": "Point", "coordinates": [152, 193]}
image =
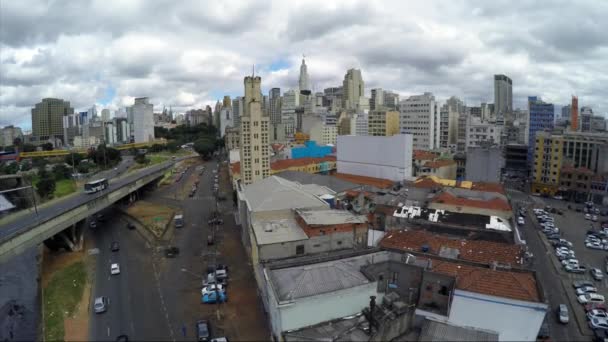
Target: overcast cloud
{"type": "Point", "coordinates": [187, 54]}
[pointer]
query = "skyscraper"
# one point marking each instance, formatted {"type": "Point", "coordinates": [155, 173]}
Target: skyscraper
{"type": "Point", "coordinates": [142, 120]}
{"type": "Point", "coordinates": [585, 121]}
{"type": "Point", "coordinates": [574, 113]}
{"type": "Point", "coordinates": [353, 89]}
{"type": "Point", "coordinates": [47, 119]}
{"type": "Point", "coordinates": [377, 100]}
{"type": "Point", "coordinates": [540, 118]}
{"type": "Point", "coordinates": [274, 97]}
{"type": "Point", "coordinates": [254, 151]}
{"type": "Point", "coordinates": [503, 95]}
{"type": "Point", "coordinates": [304, 80]}
{"type": "Point", "coordinates": [105, 115]}
{"type": "Point", "coordinates": [420, 118]}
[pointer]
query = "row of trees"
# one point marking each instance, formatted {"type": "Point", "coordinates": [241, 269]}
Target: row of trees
{"type": "Point", "coordinates": [203, 136]}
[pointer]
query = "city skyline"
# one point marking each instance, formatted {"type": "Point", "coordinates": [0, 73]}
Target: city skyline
{"type": "Point", "coordinates": [79, 62]}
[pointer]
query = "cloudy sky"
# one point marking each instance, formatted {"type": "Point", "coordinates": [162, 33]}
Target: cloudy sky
{"type": "Point", "coordinates": [187, 54]}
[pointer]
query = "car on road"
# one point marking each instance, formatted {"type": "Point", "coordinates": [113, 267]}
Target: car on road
{"type": "Point", "coordinates": [585, 289]}
{"type": "Point", "coordinates": [101, 304]}
{"type": "Point", "coordinates": [93, 224]}
{"type": "Point", "coordinates": [171, 252]}
{"type": "Point", "coordinates": [219, 339]}
{"type": "Point", "coordinates": [594, 245]}
{"type": "Point", "coordinates": [594, 218]}
{"type": "Point", "coordinates": [521, 221]}
{"type": "Point", "coordinates": [214, 297]}
{"type": "Point", "coordinates": [114, 269]}
{"type": "Point", "coordinates": [587, 217]}
{"type": "Point", "coordinates": [114, 247]}
{"type": "Point", "coordinates": [590, 298]}
{"type": "Point", "coordinates": [122, 338]}
{"type": "Point", "coordinates": [575, 269]}
{"type": "Point", "coordinates": [562, 314]}
{"type": "Point", "coordinates": [598, 323]}
{"type": "Point", "coordinates": [571, 262]}
{"type": "Point", "coordinates": [203, 331]}
{"type": "Point", "coordinates": [597, 274]}
{"type": "Point", "coordinates": [210, 240]}
{"type": "Point", "coordinates": [101, 218]}
{"type": "Point", "coordinates": [130, 226]}
{"type": "Point", "coordinates": [212, 288]}
{"type": "Point", "coordinates": [597, 313]}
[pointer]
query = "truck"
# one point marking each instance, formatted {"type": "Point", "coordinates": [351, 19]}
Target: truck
{"type": "Point", "coordinates": [179, 220]}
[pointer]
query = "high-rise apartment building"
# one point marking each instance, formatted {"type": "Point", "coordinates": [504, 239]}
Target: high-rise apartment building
{"type": "Point", "coordinates": [47, 119]}
{"type": "Point", "coordinates": [274, 96]}
{"type": "Point", "coordinates": [238, 105]}
{"type": "Point", "coordinates": [226, 102]}
{"type": "Point", "coordinates": [483, 133]}
{"type": "Point", "coordinates": [332, 98]}
{"type": "Point", "coordinates": [585, 121]}
{"type": "Point", "coordinates": [105, 115]}
{"type": "Point", "coordinates": [353, 89]}
{"type": "Point", "coordinates": [377, 99]}
{"type": "Point", "coordinates": [540, 118]}
{"type": "Point", "coordinates": [254, 151]}
{"type": "Point", "coordinates": [391, 100]}
{"type": "Point", "coordinates": [382, 122]}
{"type": "Point", "coordinates": [9, 134]}
{"type": "Point", "coordinates": [503, 95]}
{"type": "Point", "coordinates": [448, 125]}
{"type": "Point", "coordinates": [420, 118]}
{"type": "Point", "coordinates": [566, 112]}
{"type": "Point", "coordinates": [142, 120]}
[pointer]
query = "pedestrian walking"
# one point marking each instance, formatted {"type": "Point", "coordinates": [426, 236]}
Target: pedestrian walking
{"type": "Point", "coordinates": [184, 330]}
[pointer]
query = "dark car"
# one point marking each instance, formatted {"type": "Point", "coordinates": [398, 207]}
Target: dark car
{"type": "Point", "coordinates": [210, 239]}
{"type": "Point", "coordinates": [203, 331]}
{"type": "Point", "coordinates": [578, 209]}
{"type": "Point", "coordinates": [122, 338]}
{"type": "Point", "coordinates": [171, 252]}
{"type": "Point", "coordinates": [101, 218]}
{"type": "Point", "coordinates": [130, 226]}
{"type": "Point", "coordinates": [114, 247]}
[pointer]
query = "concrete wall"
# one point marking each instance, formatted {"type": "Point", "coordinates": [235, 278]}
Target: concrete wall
{"type": "Point", "coordinates": [514, 320]}
{"type": "Point", "coordinates": [317, 244]}
{"type": "Point", "coordinates": [484, 164]}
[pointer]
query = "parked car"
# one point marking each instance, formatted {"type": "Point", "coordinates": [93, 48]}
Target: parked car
{"type": "Point", "coordinates": [597, 313]}
{"type": "Point", "coordinates": [594, 245]}
{"type": "Point", "coordinates": [210, 240]}
{"type": "Point", "coordinates": [573, 262]}
{"type": "Point", "coordinates": [93, 224]}
{"type": "Point", "coordinates": [122, 338]}
{"type": "Point", "coordinates": [114, 269]}
{"type": "Point", "coordinates": [598, 323]}
{"type": "Point", "coordinates": [585, 289]}
{"type": "Point", "coordinates": [587, 217]}
{"type": "Point", "coordinates": [171, 252]}
{"type": "Point", "coordinates": [575, 269]}
{"type": "Point", "coordinates": [521, 221]}
{"type": "Point", "coordinates": [594, 218]}
{"type": "Point", "coordinates": [593, 306]}
{"type": "Point", "coordinates": [114, 247]}
{"type": "Point", "coordinates": [590, 298]}
{"type": "Point", "coordinates": [212, 288]}
{"type": "Point", "coordinates": [562, 314]}
{"type": "Point", "coordinates": [101, 218]}
{"type": "Point", "coordinates": [214, 297]}
{"type": "Point", "coordinates": [203, 331]}
{"type": "Point", "coordinates": [130, 226]}
{"type": "Point", "coordinates": [101, 304]}
{"type": "Point", "coordinates": [597, 274]}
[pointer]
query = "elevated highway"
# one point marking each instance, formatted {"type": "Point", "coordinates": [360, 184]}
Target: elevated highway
{"type": "Point", "coordinates": [32, 230]}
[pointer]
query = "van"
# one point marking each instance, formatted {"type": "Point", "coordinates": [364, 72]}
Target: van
{"type": "Point", "coordinates": [590, 298]}
{"type": "Point", "coordinates": [179, 221]}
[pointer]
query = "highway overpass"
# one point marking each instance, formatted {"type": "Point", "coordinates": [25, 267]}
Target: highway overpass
{"type": "Point", "coordinates": [29, 231]}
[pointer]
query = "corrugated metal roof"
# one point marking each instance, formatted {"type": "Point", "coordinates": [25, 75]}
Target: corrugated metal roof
{"type": "Point", "coordinates": [330, 217]}
{"type": "Point", "coordinates": [335, 184]}
{"type": "Point", "coordinates": [310, 280]}
{"type": "Point", "coordinates": [440, 331]}
{"type": "Point", "coordinates": [276, 193]}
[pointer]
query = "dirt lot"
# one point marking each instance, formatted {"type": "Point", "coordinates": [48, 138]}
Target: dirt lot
{"type": "Point", "coordinates": [154, 216]}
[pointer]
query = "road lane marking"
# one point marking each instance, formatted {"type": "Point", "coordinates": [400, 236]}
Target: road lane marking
{"type": "Point", "coordinates": [108, 331]}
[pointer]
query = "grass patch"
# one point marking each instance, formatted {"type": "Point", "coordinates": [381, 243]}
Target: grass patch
{"type": "Point", "coordinates": [61, 296]}
{"type": "Point", "coordinates": [64, 187]}
{"type": "Point", "coordinates": [154, 217]}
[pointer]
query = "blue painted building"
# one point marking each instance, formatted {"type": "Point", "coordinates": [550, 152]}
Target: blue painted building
{"type": "Point", "coordinates": [541, 118]}
{"type": "Point", "coordinates": [310, 150]}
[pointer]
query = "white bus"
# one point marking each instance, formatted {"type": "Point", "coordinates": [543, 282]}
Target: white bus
{"type": "Point", "coordinates": [96, 185]}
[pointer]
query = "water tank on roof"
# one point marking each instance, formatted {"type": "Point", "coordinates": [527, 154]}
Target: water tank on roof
{"type": "Point", "coordinates": [330, 199]}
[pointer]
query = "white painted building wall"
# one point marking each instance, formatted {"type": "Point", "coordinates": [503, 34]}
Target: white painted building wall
{"type": "Point", "coordinates": [378, 157]}
{"type": "Point", "coordinates": [142, 120]}
{"type": "Point", "coordinates": [419, 116]}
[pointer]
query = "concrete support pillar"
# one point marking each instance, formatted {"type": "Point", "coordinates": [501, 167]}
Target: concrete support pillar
{"type": "Point", "coordinates": [66, 239]}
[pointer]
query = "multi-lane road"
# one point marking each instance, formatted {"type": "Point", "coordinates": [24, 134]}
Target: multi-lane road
{"type": "Point", "coordinates": [152, 298]}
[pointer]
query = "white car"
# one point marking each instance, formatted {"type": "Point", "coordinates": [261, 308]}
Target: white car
{"type": "Point", "coordinates": [587, 217]}
{"type": "Point", "coordinates": [597, 274]}
{"type": "Point", "coordinates": [594, 245]}
{"type": "Point", "coordinates": [211, 288]}
{"type": "Point", "coordinates": [594, 218]}
{"type": "Point", "coordinates": [572, 262]}
{"type": "Point", "coordinates": [114, 269]}
{"type": "Point", "coordinates": [597, 314]}
{"type": "Point", "coordinates": [521, 221]}
{"type": "Point", "coordinates": [585, 289]}
{"type": "Point", "coordinates": [597, 323]}
{"type": "Point", "coordinates": [558, 197]}
{"type": "Point", "coordinates": [590, 298]}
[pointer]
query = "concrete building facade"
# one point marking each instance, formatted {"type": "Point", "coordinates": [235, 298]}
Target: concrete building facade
{"type": "Point", "coordinates": [484, 164]}
{"type": "Point", "coordinates": [540, 118]}
{"type": "Point", "coordinates": [382, 122]}
{"type": "Point", "coordinates": [9, 134]}
{"type": "Point", "coordinates": [420, 118]}
{"type": "Point", "coordinates": [142, 120]}
{"type": "Point", "coordinates": [353, 89]}
{"type": "Point", "coordinates": [254, 144]}
{"type": "Point", "coordinates": [47, 119]}
{"type": "Point", "coordinates": [503, 95]}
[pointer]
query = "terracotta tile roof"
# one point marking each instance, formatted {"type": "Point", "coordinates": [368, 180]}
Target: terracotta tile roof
{"type": "Point", "coordinates": [499, 283]}
{"type": "Point", "coordinates": [355, 193]}
{"type": "Point", "coordinates": [439, 163]}
{"type": "Point", "coordinates": [424, 155]}
{"type": "Point", "coordinates": [427, 182]}
{"type": "Point", "coordinates": [489, 187]}
{"type": "Point", "coordinates": [493, 204]}
{"type": "Point", "coordinates": [377, 182]}
{"type": "Point", "coordinates": [484, 252]}
{"type": "Point", "coordinates": [236, 167]}
{"type": "Point", "coordinates": [277, 147]}
{"type": "Point", "coordinates": [287, 163]}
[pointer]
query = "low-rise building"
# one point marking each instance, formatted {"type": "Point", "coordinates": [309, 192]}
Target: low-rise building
{"type": "Point", "coordinates": [232, 138]}
{"type": "Point", "coordinates": [310, 165]}
{"type": "Point", "coordinates": [442, 168]}
{"type": "Point", "coordinates": [459, 200]}
{"type": "Point", "coordinates": [382, 122]}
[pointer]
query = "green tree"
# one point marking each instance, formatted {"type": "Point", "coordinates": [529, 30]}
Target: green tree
{"type": "Point", "coordinates": [83, 167]}
{"type": "Point", "coordinates": [47, 146]}
{"type": "Point", "coordinates": [61, 171]}
{"type": "Point", "coordinates": [9, 148]}
{"type": "Point", "coordinates": [156, 148]}
{"type": "Point", "coordinates": [26, 165]}
{"type": "Point", "coordinates": [9, 169]}
{"type": "Point", "coordinates": [28, 148]}
{"type": "Point", "coordinates": [46, 185]}
{"type": "Point", "coordinates": [39, 163]}
{"type": "Point", "coordinates": [172, 146]}
{"type": "Point", "coordinates": [141, 158]}
{"type": "Point", "coordinates": [204, 146]}
{"type": "Point", "coordinates": [76, 157]}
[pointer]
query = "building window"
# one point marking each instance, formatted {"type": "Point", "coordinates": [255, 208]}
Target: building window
{"type": "Point", "coordinates": [299, 249]}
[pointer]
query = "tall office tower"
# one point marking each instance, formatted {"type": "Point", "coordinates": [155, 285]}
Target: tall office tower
{"type": "Point", "coordinates": [47, 119]}
{"type": "Point", "coordinates": [238, 105]}
{"type": "Point", "coordinates": [420, 117]}
{"type": "Point", "coordinates": [254, 151]}
{"type": "Point", "coordinates": [105, 115]}
{"type": "Point", "coordinates": [448, 125]}
{"type": "Point", "coordinates": [142, 120]}
{"type": "Point", "coordinates": [226, 102]}
{"type": "Point", "coordinates": [274, 96]}
{"type": "Point", "coordinates": [566, 112]}
{"type": "Point", "coordinates": [503, 95]}
{"type": "Point", "coordinates": [377, 100]}
{"type": "Point", "coordinates": [266, 105]}
{"type": "Point", "coordinates": [585, 121]}
{"type": "Point", "coordinates": [574, 113]}
{"type": "Point", "coordinates": [92, 113]}
{"type": "Point", "coordinates": [540, 118]}
{"type": "Point", "coordinates": [304, 80]}
{"type": "Point", "coordinates": [353, 89]}
{"type": "Point", "coordinates": [391, 100]}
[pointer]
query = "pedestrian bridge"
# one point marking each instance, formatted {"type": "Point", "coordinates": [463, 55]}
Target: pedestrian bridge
{"type": "Point", "coordinates": [28, 232]}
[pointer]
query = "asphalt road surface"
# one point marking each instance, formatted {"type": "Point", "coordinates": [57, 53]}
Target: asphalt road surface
{"type": "Point", "coordinates": [46, 213]}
